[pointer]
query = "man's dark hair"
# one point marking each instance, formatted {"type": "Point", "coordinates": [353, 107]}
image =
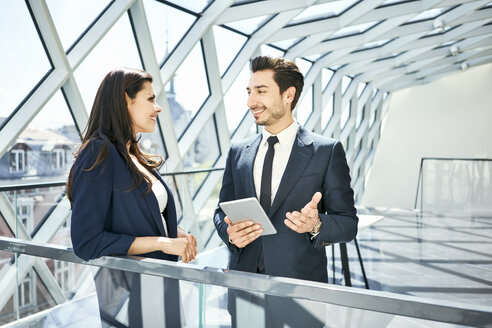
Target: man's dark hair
{"type": "Point", "coordinates": [285, 73]}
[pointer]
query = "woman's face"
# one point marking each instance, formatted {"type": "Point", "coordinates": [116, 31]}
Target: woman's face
{"type": "Point", "coordinates": [143, 109]}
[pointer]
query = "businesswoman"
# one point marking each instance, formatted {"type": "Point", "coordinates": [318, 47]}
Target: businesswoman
{"type": "Point", "coordinates": [120, 204]}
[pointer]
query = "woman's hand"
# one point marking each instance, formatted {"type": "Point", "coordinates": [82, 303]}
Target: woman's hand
{"type": "Point", "coordinates": [183, 246]}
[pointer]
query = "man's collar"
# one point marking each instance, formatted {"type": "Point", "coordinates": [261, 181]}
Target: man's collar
{"type": "Point", "coordinates": [284, 136]}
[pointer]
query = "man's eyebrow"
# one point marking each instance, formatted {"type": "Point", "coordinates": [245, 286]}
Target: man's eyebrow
{"type": "Point", "coordinates": [260, 86]}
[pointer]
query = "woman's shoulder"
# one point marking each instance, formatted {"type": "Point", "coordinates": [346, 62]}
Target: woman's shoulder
{"type": "Point", "coordinates": [93, 149]}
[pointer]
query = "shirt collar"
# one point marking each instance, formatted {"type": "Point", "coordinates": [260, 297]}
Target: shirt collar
{"type": "Point", "coordinates": [285, 136]}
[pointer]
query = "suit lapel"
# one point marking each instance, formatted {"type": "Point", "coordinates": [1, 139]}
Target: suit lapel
{"type": "Point", "coordinates": [300, 156]}
{"type": "Point", "coordinates": [246, 164]}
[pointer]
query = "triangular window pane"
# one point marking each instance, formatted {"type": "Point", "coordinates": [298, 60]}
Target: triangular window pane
{"type": "Point", "coordinates": [44, 149]}
{"type": "Point", "coordinates": [71, 18]}
{"type": "Point", "coordinates": [305, 108]}
{"type": "Point", "coordinates": [327, 113]}
{"type": "Point", "coordinates": [197, 6]}
{"type": "Point", "coordinates": [102, 59]}
{"type": "Point", "coordinates": [345, 115]}
{"type": "Point", "coordinates": [228, 45]}
{"type": "Point", "coordinates": [202, 155]}
{"type": "Point", "coordinates": [167, 26]}
{"type": "Point", "coordinates": [23, 57]}
{"type": "Point", "coordinates": [303, 65]}
{"type": "Point", "coordinates": [286, 44]}
{"type": "Point", "coordinates": [250, 25]}
{"type": "Point", "coordinates": [236, 99]}
{"type": "Point", "coordinates": [270, 51]}
{"type": "Point", "coordinates": [42, 152]}
{"type": "Point", "coordinates": [326, 75]}
{"type": "Point", "coordinates": [190, 83]}
{"type": "Point", "coordinates": [333, 8]}
{"type": "Point", "coordinates": [345, 83]}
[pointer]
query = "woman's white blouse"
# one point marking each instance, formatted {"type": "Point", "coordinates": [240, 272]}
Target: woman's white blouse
{"type": "Point", "coordinates": [161, 194]}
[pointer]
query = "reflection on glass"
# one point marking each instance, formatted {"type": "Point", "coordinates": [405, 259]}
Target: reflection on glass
{"type": "Point", "coordinates": [305, 107]}
{"type": "Point", "coordinates": [202, 155]}
{"type": "Point", "coordinates": [249, 25]}
{"type": "Point", "coordinates": [236, 99]}
{"type": "Point", "coordinates": [167, 26]}
{"type": "Point", "coordinates": [72, 17]}
{"type": "Point", "coordinates": [228, 44]}
{"type": "Point", "coordinates": [33, 300]}
{"type": "Point", "coordinates": [23, 56]}
{"type": "Point", "coordinates": [189, 85]}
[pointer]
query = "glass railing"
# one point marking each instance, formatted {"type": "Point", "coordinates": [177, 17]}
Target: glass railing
{"type": "Point", "coordinates": [115, 291]}
{"type": "Point", "coordinates": [455, 186]}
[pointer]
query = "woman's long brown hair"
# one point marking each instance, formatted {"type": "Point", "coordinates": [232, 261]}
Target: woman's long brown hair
{"type": "Point", "coordinates": [111, 123]}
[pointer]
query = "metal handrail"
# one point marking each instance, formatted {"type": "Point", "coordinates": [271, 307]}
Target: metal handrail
{"type": "Point", "coordinates": [383, 302]}
{"type": "Point", "coordinates": [59, 183]}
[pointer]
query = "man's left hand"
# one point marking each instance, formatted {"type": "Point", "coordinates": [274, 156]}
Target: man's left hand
{"type": "Point", "coordinates": [306, 219]}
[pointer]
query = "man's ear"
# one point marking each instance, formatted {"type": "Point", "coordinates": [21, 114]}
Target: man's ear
{"type": "Point", "coordinates": [289, 94]}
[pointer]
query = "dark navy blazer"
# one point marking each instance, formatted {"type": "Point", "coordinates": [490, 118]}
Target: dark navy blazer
{"type": "Point", "coordinates": [106, 215]}
{"type": "Point", "coordinates": [316, 164]}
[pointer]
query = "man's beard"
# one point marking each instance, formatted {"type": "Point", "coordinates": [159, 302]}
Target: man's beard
{"type": "Point", "coordinates": [273, 118]}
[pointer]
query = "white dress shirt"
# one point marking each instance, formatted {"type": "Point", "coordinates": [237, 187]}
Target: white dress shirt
{"type": "Point", "coordinates": [160, 194]}
{"type": "Point", "coordinates": [283, 149]}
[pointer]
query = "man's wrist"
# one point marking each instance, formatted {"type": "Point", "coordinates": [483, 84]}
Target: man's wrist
{"type": "Point", "coordinates": [316, 228]}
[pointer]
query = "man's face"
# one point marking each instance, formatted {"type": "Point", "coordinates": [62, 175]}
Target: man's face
{"type": "Point", "coordinates": [267, 105]}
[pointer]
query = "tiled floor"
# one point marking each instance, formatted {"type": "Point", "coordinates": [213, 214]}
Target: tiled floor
{"type": "Point", "coordinates": [447, 258]}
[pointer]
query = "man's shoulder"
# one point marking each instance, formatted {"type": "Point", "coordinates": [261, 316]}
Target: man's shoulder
{"type": "Point", "coordinates": [240, 144]}
{"type": "Point", "coordinates": [317, 139]}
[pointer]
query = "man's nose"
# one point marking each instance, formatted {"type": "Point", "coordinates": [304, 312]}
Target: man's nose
{"type": "Point", "coordinates": [251, 101]}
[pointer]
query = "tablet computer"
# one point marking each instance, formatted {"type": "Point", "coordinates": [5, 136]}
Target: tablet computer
{"type": "Point", "coordinates": [248, 209]}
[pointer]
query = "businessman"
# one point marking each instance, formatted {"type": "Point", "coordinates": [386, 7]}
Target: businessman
{"type": "Point", "coordinates": [301, 179]}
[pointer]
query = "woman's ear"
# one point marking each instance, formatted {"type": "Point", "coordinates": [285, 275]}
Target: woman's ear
{"type": "Point", "coordinates": [128, 99]}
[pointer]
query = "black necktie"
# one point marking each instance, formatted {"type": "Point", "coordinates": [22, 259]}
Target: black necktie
{"type": "Point", "coordinates": [266, 176]}
{"type": "Point", "coordinates": [266, 189]}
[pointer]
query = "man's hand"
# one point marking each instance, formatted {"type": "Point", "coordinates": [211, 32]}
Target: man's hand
{"type": "Point", "coordinates": [305, 220]}
{"type": "Point", "coordinates": [243, 233]}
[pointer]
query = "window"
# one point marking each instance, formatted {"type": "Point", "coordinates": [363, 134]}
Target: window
{"type": "Point", "coordinates": [17, 160]}
{"type": "Point", "coordinates": [25, 213]}
{"type": "Point", "coordinates": [63, 274]}
{"type": "Point", "coordinates": [27, 296]}
{"type": "Point", "coordinates": [58, 159]}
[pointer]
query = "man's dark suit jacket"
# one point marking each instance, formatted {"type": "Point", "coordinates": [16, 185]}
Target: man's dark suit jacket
{"type": "Point", "coordinates": [316, 164]}
{"type": "Point", "coordinates": [106, 214]}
